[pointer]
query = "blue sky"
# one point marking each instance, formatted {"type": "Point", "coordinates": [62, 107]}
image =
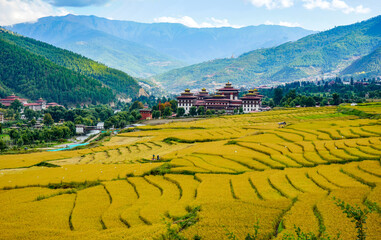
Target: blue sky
{"type": "Point", "coordinates": [310, 14]}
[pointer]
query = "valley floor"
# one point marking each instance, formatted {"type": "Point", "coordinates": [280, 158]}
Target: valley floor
{"type": "Point", "coordinates": [239, 169]}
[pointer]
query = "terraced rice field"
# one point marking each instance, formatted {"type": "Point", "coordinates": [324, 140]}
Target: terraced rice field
{"type": "Point", "coordinates": [239, 169]}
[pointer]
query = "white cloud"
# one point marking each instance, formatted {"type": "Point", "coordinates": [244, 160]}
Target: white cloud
{"type": "Point", "coordinates": [17, 11]}
{"type": "Point", "coordinates": [339, 5]}
{"type": "Point", "coordinates": [271, 4]}
{"type": "Point", "coordinates": [311, 4]}
{"type": "Point", "coordinates": [284, 23]}
{"type": "Point", "coordinates": [190, 22]}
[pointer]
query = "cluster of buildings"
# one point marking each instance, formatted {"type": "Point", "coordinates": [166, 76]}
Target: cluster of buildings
{"type": "Point", "coordinates": [39, 105]}
{"type": "Point", "coordinates": [226, 98]}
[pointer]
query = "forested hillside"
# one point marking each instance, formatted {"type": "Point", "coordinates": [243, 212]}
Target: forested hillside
{"type": "Point", "coordinates": [325, 53]}
{"type": "Point", "coordinates": [33, 76]}
{"type": "Point", "coordinates": [369, 64]}
{"type": "Point", "coordinates": [119, 81]}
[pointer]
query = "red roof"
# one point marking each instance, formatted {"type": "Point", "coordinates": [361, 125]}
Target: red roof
{"type": "Point", "coordinates": [186, 97]}
{"type": "Point", "coordinates": [13, 97]}
{"type": "Point", "coordinates": [200, 102]}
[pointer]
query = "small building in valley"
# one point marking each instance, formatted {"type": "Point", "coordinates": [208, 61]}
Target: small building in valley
{"type": "Point", "coordinates": [146, 114]}
{"type": "Point", "coordinates": [79, 129]}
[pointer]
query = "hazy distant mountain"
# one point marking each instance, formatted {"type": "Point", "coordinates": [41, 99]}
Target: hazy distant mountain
{"type": "Point", "coordinates": [35, 69]}
{"type": "Point", "coordinates": [326, 52]}
{"type": "Point", "coordinates": [367, 65]}
{"type": "Point", "coordinates": [133, 58]}
{"type": "Point", "coordinates": [144, 49]}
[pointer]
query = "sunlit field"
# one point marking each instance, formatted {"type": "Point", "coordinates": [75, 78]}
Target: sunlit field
{"type": "Point", "coordinates": [239, 169]}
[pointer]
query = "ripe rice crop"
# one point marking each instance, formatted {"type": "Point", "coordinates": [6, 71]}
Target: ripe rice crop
{"type": "Point", "coordinates": [302, 214]}
{"type": "Point", "coordinates": [263, 187]}
{"type": "Point", "coordinates": [223, 162]}
{"type": "Point", "coordinates": [123, 196]}
{"type": "Point", "coordinates": [353, 171]}
{"type": "Point", "coordinates": [320, 181]}
{"type": "Point", "coordinates": [213, 188]}
{"type": "Point", "coordinates": [146, 193]}
{"type": "Point", "coordinates": [299, 180]}
{"type": "Point", "coordinates": [72, 173]}
{"type": "Point", "coordinates": [50, 213]}
{"type": "Point", "coordinates": [281, 183]}
{"type": "Point", "coordinates": [170, 194]}
{"type": "Point", "coordinates": [372, 167]}
{"type": "Point", "coordinates": [89, 207]}
{"type": "Point", "coordinates": [333, 174]}
{"type": "Point", "coordinates": [307, 136]}
{"type": "Point", "coordinates": [314, 157]}
{"type": "Point", "coordinates": [238, 169]}
{"type": "Point", "coordinates": [188, 186]}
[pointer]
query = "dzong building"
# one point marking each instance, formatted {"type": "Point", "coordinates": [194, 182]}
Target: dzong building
{"type": "Point", "coordinates": [226, 99]}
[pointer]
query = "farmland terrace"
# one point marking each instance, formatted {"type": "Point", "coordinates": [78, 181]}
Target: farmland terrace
{"type": "Point", "coordinates": [238, 169]}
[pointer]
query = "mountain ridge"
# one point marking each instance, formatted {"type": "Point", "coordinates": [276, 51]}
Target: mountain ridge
{"type": "Point", "coordinates": [171, 44]}
{"type": "Point", "coordinates": [320, 54]}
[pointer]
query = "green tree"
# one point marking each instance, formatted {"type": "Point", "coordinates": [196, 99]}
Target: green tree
{"type": "Point", "coordinates": [3, 145]}
{"type": "Point", "coordinates": [278, 95]}
{"type": "Point", "coordinates": [201, 110]}
{"type": "Point", "coordinates": [14, 134]}
{"type": "Point", "coordinates": [324, 102]}
{"type": "Point", "coordinates": [271, 103]}
{"type": "Point", "coordinates": [336, 99]}
{"type": "Point", "coordinates": [208, 112]}
{"type": "Point", "coordinates": [20, 142]}
{"type": "Point", "coordinates": [310, 102]}
{"type": "Point", "coordinates": [156, 114]}
{"type": "Point", "coordinates": [180, 111]}
{"type": "Point", "coordinates": [48, 120]}
{"type": "Point", "coordinates": [167, 111]}
{"type": "Point", "coordinates": [193, 111]}
{"type": "Point", "coordinates": [29, 114]}
{"type": "Point", "coordinates": [173, 105]}
{"type": "Point", "coordinates": [16, 105]}
{"type": "Point", "coordinates": [240, 110]}
{"type": "Point", "coordinates": [136, 105]}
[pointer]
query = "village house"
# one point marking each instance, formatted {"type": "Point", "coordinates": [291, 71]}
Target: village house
{"type": "Point", "coordinates": [146, 114]}
{"type": "Point", "coordinates": [225, 99]}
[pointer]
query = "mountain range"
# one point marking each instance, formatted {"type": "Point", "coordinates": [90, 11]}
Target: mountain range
{"type": "Point", "coordinates": [322, 54]}
{"type": "Point", "coordinates": [146, 49]}
{"type": "Point", "coordinates": [36, 69]}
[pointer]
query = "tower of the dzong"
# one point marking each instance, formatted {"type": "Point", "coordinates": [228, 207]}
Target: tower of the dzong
{"type": "Point", "coordinates": [229, 92]}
